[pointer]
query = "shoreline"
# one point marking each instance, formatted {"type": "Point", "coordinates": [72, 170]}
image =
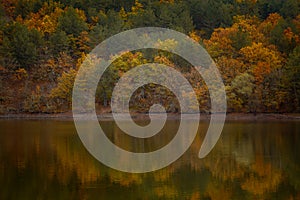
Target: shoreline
{"type": "Point", "coordinates": [144, 116]}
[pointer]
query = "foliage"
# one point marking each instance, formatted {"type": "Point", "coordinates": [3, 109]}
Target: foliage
{"type": "Point", "coordinates": [22, 44]}
{"type": "Point", "coordinates": [293, 77]}
{"type": "Point", "coordinates": [62, 94]}
{"type": "Point", "coordinates": [255, 45]}
{"type": "Point", "coordinates": [72, 22]}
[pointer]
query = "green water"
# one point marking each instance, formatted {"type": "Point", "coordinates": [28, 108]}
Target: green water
{"type": "Point", "coordinates": [45, 159]}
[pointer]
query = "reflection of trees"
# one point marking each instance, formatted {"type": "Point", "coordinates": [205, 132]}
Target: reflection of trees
{"type": "Point", "coordinates": [30, 165]}
{"type": "Point", "coordinates": [261, 178]}
{"type": "Point", "coordinates": [252, 161]}
{"type": "Point", "coordinates": [256, 171]}
{"type": "Point", "coordinates": [73, 159]}
{"type": "Point", "coordinates": [218, 190]}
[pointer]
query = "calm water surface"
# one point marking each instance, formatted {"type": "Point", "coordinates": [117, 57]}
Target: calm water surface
{"type": "Point", "coordinates": [45, 159]}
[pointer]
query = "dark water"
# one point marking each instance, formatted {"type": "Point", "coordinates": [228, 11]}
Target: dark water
{"type": "Point", "coordinates": [45, 159]}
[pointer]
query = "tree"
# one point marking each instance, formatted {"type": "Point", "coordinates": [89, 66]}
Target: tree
{"type": "Point", "coordinates": [62, 94]}
{"type": "Point", "coordinates": [240, 39]}
{"type": "Point", "coordinates": [241, 92]}
{"type": "Point", "coordinates": [262, 61]}
{"type": "Point", "coordinates": [8, 8]}
{"type": "Point", "coordinates": [118, 68]}
{"type": "Point", "coordinates": [108, 24]}
{"type": "Point", "coordinates": [22, 44]}
{"type": "Point", "coordinates": [247, 7]}
{"type": "Point", "coordinates": [245, 48]}
{"type": "Point", "coordinates": [290, 9]}
{"type": "Point", "coordinates": [25, 7]}
{"type": "Point", "coordinates": [141, 17]}
{"type": "Point", "coordinates": [279, 36]}
{"type": "Point", "coordinates": [173, 15]}
{"type": "Point", "coordinates": [59, 42]}
{"type": "Point", "coordinates": [293, 76]}
{"type": "Point", "coordinates": [71, 22]}
{"type": "Point", "coordinates": [210, 14]}
{"type": "Point", "coordinates": [46, 19]}
{"type": "Point", "coordinates": [266, 7]}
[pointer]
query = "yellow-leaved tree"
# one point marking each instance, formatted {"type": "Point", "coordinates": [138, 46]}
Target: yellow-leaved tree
{"type": "Point", "coordinates": [243, 52]}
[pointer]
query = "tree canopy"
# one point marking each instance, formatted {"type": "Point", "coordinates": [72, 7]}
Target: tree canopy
{"type": "Point", "coordinates": [255, 44]}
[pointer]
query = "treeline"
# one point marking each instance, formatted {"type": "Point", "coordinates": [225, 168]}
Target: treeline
{"type": "Point", "coordinates": [255, 43]}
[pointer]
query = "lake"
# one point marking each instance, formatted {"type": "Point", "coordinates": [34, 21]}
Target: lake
{"type": "Point", "coordinates": [45, 159]}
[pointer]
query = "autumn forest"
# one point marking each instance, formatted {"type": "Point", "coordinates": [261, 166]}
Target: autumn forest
{"type": "Point", "coordinates": [255, 44]}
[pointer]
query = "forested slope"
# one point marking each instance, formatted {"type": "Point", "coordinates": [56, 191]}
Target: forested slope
{"type": "Point", "coordinates": [255, 43]}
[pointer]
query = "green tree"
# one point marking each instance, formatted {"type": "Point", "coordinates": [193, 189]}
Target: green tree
{"type": "Point", "coordinates": [240, 39]}
{"type": "Point", "coordinates": [293, 76]}
{"type": "Point", "coordinates": [71, 23]}
{"type": "Point", "coordinates": [108, 24]}
{"type": "Point", "coordinates": [59, 42]}
{"type": "Point", "coordinates": [210, 14]}
{"type": "Point", "coordinates": [266, 7]}
{"type": "Point", "coordinates": [173, 15]}
{"type": "Point", "coordinates": [22, 45]}
{"type": "Point", "coordinates": [24, 7]}
{"type": "Point", "coordinates": [142, 18]}
{"type": "Point", "coordinates": [278, 38]}
{"type": "Point", "coordinates": [290, 8]}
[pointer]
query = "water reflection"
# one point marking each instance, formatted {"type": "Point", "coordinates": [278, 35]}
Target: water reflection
{"type": "Point", "coordinates": [252, 160]}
